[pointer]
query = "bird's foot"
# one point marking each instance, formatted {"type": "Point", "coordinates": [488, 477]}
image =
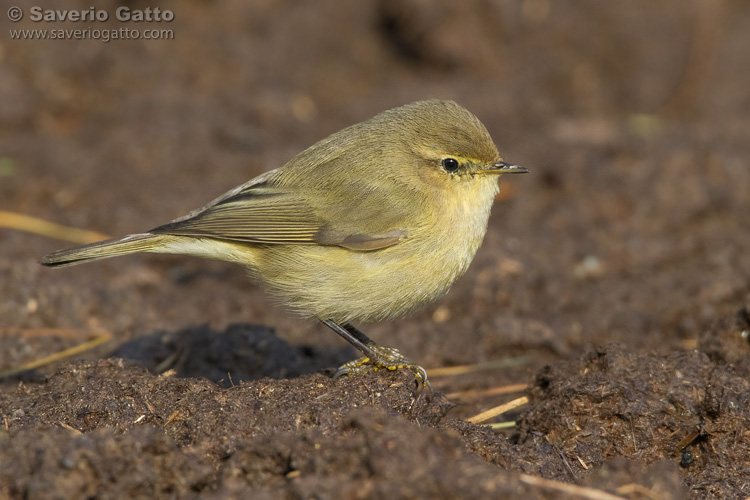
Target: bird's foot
{"type": "Point", "coordinates": [385, 358]}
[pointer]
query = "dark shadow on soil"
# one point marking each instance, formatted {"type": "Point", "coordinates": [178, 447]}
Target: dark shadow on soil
{"type": "Point", "coordinates": [239, 353]}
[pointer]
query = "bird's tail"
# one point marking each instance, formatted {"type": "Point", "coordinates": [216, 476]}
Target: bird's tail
{"type": "Point", "coordinates": [101, 250]}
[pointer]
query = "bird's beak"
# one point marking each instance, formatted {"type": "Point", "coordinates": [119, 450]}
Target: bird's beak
{"type": "Point", "coordinates": [503, 167]}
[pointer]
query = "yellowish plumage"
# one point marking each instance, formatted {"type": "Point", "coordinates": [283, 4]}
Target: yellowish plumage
{"type": "Point", "coordinates": [369, 224]}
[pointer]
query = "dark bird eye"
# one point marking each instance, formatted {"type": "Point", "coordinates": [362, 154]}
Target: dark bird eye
{"type": "Point", "coordinates": [450, 165]}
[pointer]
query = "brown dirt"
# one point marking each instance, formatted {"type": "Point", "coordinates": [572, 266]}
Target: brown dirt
{"type": "Point", "coordinates": [619, 268]}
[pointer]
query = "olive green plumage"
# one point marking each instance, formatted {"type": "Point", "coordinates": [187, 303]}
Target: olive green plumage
{"type": "Point", "coordinates": [371, 223]}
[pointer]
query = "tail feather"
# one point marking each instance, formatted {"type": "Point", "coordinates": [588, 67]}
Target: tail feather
{"type": "Point", "coordinates": [101, 250]}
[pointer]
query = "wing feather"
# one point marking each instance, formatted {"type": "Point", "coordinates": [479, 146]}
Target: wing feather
{"type": "Point", "coordinates": [262, 211]}
{"type": "Point", "coordinates": [256, 214]}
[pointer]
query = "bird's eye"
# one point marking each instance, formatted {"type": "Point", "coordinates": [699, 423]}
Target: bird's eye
{"type": "Point", "coordinates": [450, 165]}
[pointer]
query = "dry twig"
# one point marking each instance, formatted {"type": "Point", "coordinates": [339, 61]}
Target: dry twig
{"type": "Point", "coordinates": [98, 339]}
{"type": "Point", "coordinates": [498, 410]}
{"type": "Point", "coordinates": [571, 489]}
{"type": "Point", "coordinates": [42, 227]}
{"type": "Point", "coordinates": [483, 393]}
{"type": "Point", "coordinates": [478, 367]}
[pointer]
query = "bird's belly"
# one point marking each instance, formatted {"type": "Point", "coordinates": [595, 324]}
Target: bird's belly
{"type": "Point", "coordinates": [344, 285]}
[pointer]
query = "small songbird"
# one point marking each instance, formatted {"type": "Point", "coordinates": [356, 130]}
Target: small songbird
{"type": "Point", "coordinates": [372, 223]}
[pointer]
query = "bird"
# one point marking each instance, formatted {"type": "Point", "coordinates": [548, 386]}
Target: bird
{"type": "Point", "coordinates": [370, 224]}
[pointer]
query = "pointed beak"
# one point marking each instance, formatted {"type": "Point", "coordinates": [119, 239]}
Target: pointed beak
{"type": "Point", "coordinates": [503, 167]}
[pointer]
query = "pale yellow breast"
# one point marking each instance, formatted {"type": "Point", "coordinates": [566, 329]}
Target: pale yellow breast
{"type": "Point", "coordinates": [331, 282]}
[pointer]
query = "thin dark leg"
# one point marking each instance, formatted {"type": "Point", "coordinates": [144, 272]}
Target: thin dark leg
{"type": "Point", "coordinates": [375, 356]}
{"type": "Point", "coordinates": [353, 336]}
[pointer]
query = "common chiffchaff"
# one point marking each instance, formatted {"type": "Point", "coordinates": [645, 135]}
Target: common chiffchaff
{"type": "Point", "coordinates": [369, 224]}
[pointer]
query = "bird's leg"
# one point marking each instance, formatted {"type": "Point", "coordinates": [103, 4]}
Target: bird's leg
{"type": "Point", "coordinates": [376, 357]}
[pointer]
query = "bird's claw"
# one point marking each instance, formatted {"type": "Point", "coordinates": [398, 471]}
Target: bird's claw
{"type": "Point", "coordinates": [387, 358]}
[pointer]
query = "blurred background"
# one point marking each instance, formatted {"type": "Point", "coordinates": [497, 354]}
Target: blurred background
{"type": "Point", "coordinates": [633, 118]}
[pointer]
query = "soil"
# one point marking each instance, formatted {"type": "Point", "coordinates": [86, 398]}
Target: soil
{"type": "Point", "coordinates": [614, 279]}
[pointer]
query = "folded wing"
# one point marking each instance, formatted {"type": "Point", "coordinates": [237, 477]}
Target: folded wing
{"type": "Point", "coordinates": [270, 214]}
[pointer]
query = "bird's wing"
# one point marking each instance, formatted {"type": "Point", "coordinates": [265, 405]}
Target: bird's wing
{"type": "Point", "coordinates": [263, 212]}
